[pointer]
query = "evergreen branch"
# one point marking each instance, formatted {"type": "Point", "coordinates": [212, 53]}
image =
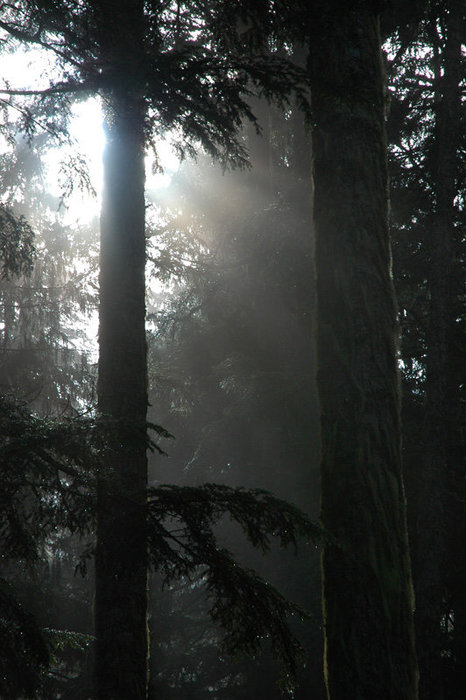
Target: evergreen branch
{"type": "Point", "coordinates": [249, 608]}
{"type": "Point", "coordinates": [16, 244]}
{"type": "Point", "coordinates": [23, 647]}
{"type": "Point", "coordinates": [35, 39]}
{"type": "Point", "coordinates": [58, 89]}
{"type": "Point", "coordinates": [259, 513]}
{"type": "Point", "coordinates": [27, 116]}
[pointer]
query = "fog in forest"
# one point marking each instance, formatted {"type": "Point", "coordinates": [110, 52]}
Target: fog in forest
{"type": "Point", "coordinates": [232, 336]}
{"type": "Point", "coordinates": [230, 287]}
{"type": "Point", "coordinates": [231, 368]}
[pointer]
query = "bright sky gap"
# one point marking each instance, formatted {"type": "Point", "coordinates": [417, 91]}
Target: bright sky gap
{"type": "Point", "coordinates": [27, 69]}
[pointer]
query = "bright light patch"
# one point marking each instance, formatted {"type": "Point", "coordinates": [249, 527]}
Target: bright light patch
{"type": "Point", "coordinates": [86, 129]}
{"type": "Point", "coordinates": [73, 172]}
{"type": "Point", "coordinates": [30, 69]}
{"type": "Point", "coordinates": [168, 162]}
{"type": "Point", "coordinates": [88, 136]}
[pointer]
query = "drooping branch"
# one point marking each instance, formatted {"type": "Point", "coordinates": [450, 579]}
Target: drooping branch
{"type": "Point", "coordinates": [35, 38]}
{"type": "Point", "coordinates": [183, 543]}
{"type": "Point", "coordinates": [58, 89]}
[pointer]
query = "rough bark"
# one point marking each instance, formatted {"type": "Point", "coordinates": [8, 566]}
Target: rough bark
{"type": "Point", "coordinates": [367, 590]}
{"type": "Point", "coordinates": [121, 553]}
{"type": "Point", "coordinates": [431, 516]}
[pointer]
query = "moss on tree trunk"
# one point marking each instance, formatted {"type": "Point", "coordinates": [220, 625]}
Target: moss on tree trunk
{"type": "Point", "coordinates": [367, 590]}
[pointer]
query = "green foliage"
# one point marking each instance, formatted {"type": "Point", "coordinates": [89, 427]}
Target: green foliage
{"type": "Point", "coordinates": [59, 640]}
{"type": "Point", "coordinates": [231, 370]}
{"type": "Point", "coordinates": [45, 468]}
{"type": "Point", "coordinates": [16, 244]}
{"type": "Point", "coordinates": [197, 69]}
{"type": "Point", "coordinates": [183, 543]}
{"type": "Point", "coordinates": [24, 652]}
{"type": "Point", "coordinates": [47, 487]}
{"type": "Point", "coordinates": [48, 470]}
{"type": "Point", "coordinates": [45, 307]}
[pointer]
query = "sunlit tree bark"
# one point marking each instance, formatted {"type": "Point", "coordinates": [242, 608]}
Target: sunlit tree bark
{"type": "Point", "coordinates": [367, 591]}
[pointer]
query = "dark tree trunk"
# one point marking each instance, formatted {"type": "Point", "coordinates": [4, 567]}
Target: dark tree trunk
{"type": "Point", "coordinates": [430, 559]}
{"type": "Point", "coordinates": [457, 679]}
{"type": "Point", "coordinates": [121, 555]}
{"type": "Point", "coordinates": [367, 590]}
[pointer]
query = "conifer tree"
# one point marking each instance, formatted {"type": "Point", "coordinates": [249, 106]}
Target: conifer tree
{"type": "Point", "coordinates": [155, 68]}
{"type": "Point", "coordinates": [426, 155]}
{"type": "Point", "coordinates": [431, 544]}
{"type": "Point", "coordinates": [367, 591]}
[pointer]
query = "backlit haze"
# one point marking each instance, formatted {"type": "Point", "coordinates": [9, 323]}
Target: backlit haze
{"type": "Point", "coordinates": [32, 70]}
{"type": "Point", "coordinates": [72, 171]}
{"type": "Point", "coordinates": [87, 133]}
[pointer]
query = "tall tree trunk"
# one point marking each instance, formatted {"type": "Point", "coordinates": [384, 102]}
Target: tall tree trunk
{"type": "Point", "coordinates": [430, 559]}
{"type": "Point", "coordinates": [367, 590]}
{"type": "Point", "coordinates": [121, 555]}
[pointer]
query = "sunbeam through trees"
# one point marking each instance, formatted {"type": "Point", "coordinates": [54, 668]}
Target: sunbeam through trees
{"type": "Point", "coordinates": [232, 325]}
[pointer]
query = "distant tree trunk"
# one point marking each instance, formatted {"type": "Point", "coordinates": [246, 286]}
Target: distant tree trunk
{"type": "Point", "coordinates": [430, 560]}
{"type": "Point", "coordinates": [367, 590]}
{"type": "Point", "coordinates": [260, 149]}
{"type": "Point", "coordinates": [121, 555]}
{"type": "Point", "coordinates": [301, 156]}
